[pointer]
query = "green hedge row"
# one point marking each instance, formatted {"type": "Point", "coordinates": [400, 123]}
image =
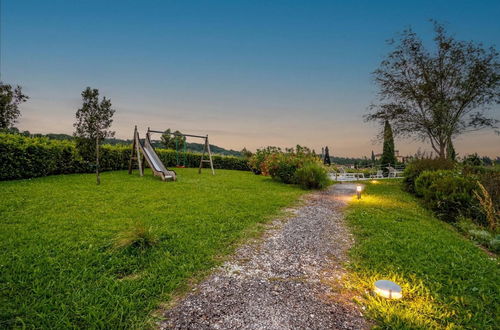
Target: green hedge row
{"type": "Point", "coordinates": [24, 157]}
{"type": "Point", "coordinates": [450, 194]}
{"type": "Point", "coordinates": [449, 189]}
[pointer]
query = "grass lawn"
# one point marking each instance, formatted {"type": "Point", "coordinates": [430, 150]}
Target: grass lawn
{"type": "Point", "coordinates": [58, 267]}
{"type": "Point", "coordinates": [447, 281]}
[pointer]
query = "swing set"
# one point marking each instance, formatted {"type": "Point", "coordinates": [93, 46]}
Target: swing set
{"type": "Point", "coordinates": [206, 150]}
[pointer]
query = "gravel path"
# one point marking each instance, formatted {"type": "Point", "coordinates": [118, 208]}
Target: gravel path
{"type": "Point", "coordinates": [282, 280]}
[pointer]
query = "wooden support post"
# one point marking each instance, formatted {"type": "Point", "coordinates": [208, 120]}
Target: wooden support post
{"type": "Point", "coordinates": [139, 158]}
{"type": "Point", "coordinates": [132, 157]}
{"type": "Point", "coordinates": [210, 156]}
{"type": "Point", "coordinates": [206, 148]}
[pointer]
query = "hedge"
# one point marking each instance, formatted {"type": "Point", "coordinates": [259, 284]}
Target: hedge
{"type": "Point", "coordinates": [416, 167]}
{"type": "Point", "coordinates": [449, 194]}
{"type": "Point", "coordinates": [23, 157]}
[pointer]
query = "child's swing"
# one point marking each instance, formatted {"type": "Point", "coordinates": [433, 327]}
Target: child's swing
{"type": "Point", "coordinates": [184, 152]}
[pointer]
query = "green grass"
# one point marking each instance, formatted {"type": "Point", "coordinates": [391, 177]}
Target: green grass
{"type": "Point", "coordinates": [447, 281]}
{"type": "Point", "coordinates": [60, 266]}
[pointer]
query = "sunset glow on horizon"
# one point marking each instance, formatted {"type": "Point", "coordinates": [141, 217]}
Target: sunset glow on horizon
{"type": "Point", "coordinates": [249, 74]}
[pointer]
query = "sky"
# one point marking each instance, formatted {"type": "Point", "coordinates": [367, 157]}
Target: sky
{"type": "Point", "coordinates": [248, 73]}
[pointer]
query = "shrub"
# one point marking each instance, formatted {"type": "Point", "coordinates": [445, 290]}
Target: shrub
{"type": "Point", "coordinates": [449, 194]}
{"type": "Point", "coordinates": [256, 161]}
{"type": "Point", "coordinates": [415, 168]}
{"type": "Point", "coordinates": [138, 236]}
{"type": "Point", "coordinates": [472, 160]}
{"type": "Point", "coordinates": [281, 167]}
{"type": "Point", "coordinates": [312, 176]}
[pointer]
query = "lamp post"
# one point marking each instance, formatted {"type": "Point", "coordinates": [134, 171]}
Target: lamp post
{"type": "Point", "coordinates": [388, 289]}
{"type": "Point", "coordinates": [358, 191]}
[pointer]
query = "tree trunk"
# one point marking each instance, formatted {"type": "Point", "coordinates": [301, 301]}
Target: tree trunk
{"type": "Point", "coordinates": [442, 149]}
{"type": "Point", "coordinates": [97, 160]}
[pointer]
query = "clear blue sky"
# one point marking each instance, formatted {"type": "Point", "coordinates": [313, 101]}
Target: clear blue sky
{"type": "Point", "coordinates": [249, 73]}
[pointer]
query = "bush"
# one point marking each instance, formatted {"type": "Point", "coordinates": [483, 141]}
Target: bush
{"type": "Point", "coordinates": [415, 168]}
{"type": "Point", "coordinates": [24, 157]}
{"type": "Point", "coordinates": [138, 236]}
{"type": "Point", "coordinates": [449, 194]}
{"type": "Point", "coordinates": [281, 167]}
{"type": "Point", "coordinates": [312, 176]}
{"type": "Point", "coordinates": [257, 160]}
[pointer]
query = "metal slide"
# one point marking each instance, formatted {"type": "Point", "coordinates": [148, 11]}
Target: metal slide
{"type": "Point", "coordinates": [154, 161]}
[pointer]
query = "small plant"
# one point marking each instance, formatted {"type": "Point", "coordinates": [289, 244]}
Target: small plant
{"type": "Point", "coordinates": [484, 198]}
{"type": "Point", "coordinates": [138, 236]}
{"type": "Point", "coordinates": [494, 244]}
{"type": "Point", "coordinates": [312, 176]}
{"type": "Point", "coordinates": [480, 236]}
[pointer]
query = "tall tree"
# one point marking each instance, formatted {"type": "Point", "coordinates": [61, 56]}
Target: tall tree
{"type": "Point", "coordinates": [93, 121]}
{"type": "Point", "coordinates": [437, 95]}
{"type": "Point", "coordinates": [173, 140]}
{"type": "Point", "coordinates": [326, 158]}
{"type": "Point", "coordinates": [373, 157]}
{"type": "Point", "coordinates": [388, 157]}
{"type": "Point", "coordinates": [10, 98]}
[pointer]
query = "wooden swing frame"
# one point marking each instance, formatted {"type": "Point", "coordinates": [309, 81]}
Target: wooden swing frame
{"type": "Point", "coordinates": [206, 148]}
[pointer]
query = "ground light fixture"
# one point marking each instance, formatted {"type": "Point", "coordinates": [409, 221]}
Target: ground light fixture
{"type": "Point", "coordinates": [358, 191]}
{"type": "Point", "coordinates": [388, 289]}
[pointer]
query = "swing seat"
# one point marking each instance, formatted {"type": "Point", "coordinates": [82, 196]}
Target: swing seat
{"type": "Point", "coordinates": [180, 166]}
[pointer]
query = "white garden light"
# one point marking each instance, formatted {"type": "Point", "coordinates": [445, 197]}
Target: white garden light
{"type": "Point", "coordinates": [358, 191]}
{"type": "Point", "coordinates": [388, 289]}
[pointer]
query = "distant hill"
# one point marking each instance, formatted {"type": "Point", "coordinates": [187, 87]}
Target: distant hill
{"type": "Point", "coordinates": [191, 147]}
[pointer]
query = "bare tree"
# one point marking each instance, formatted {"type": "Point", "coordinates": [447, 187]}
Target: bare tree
{"type": "Point", "coordinates": [440, 94]}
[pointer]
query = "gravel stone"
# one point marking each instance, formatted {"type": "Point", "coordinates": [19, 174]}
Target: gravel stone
{"type": "Point", "coordinates": [282, 280]}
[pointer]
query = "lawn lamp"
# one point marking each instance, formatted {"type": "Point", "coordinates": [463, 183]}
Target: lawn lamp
{"type": "Point", "coordinates": [358, 191]}
{"type": "Point", "coordinates": [388, 289]}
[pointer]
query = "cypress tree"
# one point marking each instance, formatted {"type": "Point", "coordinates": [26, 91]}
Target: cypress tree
{"type": "Point", "coordinates": [388, 151]}
{"type": "Point", "coordinates": [326, 159]}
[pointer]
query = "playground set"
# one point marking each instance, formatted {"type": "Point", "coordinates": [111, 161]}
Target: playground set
{"type": "Point", "coordinates": [143, 152]}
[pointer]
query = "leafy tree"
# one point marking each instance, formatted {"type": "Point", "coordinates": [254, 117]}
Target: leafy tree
{"type": "Point", "coordinates": [93, 121]}
{"type": "Point", "coordinates": [388, 151]}
{"type": "Point", "coordinates": [473, 160]}
{"type": "Point", "coordinates": [437, 95]}
{"type": "Point", "coordinates": [373, 157]}
{"type": "Point", "coordinates": [246, 153]}
{"type": "Point", "coordinates": [10, 98]}
{"type": "Point", "coordinates": [487, 161]}
{"type": "Point", "coordinates": [173, 140]}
